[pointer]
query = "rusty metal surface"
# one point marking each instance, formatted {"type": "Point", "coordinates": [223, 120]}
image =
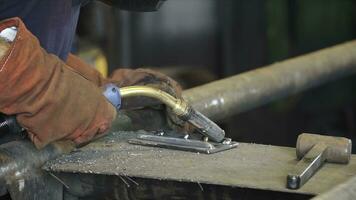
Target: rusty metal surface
{"type": "Point", "coordinates": [103, 187]}
{"type": "Point", "coordinates": [344, 191]}
{"type": "Point", "coordinates": [248, 166]}
{"type": "Point", "coordinates": [20, 172]}
{"type": "Point", "coordinates": [223, 98]}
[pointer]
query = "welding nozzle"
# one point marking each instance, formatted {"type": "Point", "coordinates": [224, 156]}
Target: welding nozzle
{"type": "Point", "coordinates": [204, 125]}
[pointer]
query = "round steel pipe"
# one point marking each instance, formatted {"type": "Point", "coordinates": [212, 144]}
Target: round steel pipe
{"type": "Point", "coordinates": [221, 99]}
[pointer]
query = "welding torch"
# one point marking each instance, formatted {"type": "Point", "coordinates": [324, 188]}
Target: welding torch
{"type": "Point", "coordinates": [115, 94]}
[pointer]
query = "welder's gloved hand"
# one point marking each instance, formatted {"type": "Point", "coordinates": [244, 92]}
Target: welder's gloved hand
{"type": "Point", "coordinates": [147, 77]}
{"type": "Point", "coordinates": [52, 101]}
{"type": "Point", "coordinates": [86, 70]}
{"type": "Point", "coordinates": [129, 77]}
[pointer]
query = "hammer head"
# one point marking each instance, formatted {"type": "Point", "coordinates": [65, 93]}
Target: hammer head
{"type": "Point", "coordinates": [338, 148]}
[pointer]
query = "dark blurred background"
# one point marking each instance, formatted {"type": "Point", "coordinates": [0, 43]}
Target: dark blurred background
{"type": "Point", "coordinates": [198, 41]}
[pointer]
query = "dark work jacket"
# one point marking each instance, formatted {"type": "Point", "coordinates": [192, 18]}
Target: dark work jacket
{"type": "Point", "coordinates": [53, 22]}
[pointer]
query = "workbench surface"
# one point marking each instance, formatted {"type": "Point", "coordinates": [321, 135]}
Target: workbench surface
{"type": "Point", "coordinates": [247, 166]}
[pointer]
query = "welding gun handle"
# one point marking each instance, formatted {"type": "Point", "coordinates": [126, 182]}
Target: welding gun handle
{"type": "Point", "coordinates": [9, 124]}
{"type": "Point", "coordinates": [113, 95]}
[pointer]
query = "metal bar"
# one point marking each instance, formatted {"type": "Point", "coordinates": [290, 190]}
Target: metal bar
{"type": "Point", "coordinates": [223, 98]}
{"type": "Point", "coordinates": [182, 143]}
{"type": "Point", "coordinates": [175, 141]}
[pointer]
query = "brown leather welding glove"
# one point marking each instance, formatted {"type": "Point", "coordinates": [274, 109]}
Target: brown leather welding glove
{"type": "Point", "coordinates": [86, 70]}
{"type": "Point", "coordinates": [129, 77]}
{"type": "Point", "coordinates": [51, 101]}
{"type": "Point", "coordinates": [147, 77]}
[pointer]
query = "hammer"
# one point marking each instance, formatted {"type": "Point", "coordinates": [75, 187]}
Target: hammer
{"type": "Point", "coordinates": [313, 150]}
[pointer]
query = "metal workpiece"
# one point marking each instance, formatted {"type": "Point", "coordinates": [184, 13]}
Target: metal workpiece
{"type": "Point", "coordinates": [313, 150]}
{"type": "Point", "coordinates": [221, 99]}
{"type": "Point", "coordinates": [183, 143]}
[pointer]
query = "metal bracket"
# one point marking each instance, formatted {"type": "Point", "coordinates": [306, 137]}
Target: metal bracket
{"type": "Point", "coordinates": [184, 143]}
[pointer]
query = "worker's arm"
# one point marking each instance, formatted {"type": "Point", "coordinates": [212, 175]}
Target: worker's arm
{"type": "Point", "coordinates": [135, 5]}
{"type": "Point", "coordinates": [54, 100]}
{"type": "Point", "coordinates": [51, 100]}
